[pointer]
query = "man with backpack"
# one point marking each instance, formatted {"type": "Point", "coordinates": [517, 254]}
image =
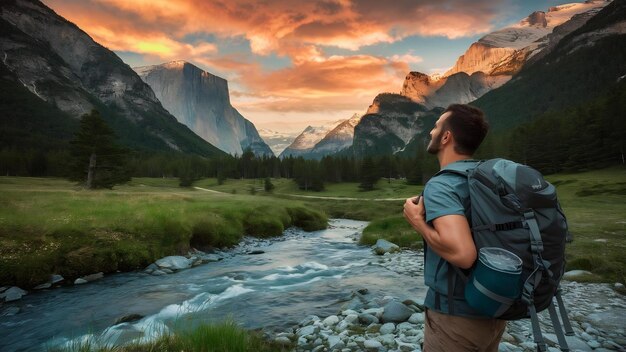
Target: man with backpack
{"type": "Point", "coordinates": [441, 216]}
{"type": "Point", "coordinates": [494, 236]}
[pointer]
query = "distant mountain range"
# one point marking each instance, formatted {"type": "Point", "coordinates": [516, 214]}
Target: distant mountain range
{"type": "Point", "coordinates": [317, 142]}
{"type": "Point", "coordinates": [277, 141]}
{"type": "Point", "coordinates": [61, 66]}
{"type": "Point", "coordinates": [201, 101]}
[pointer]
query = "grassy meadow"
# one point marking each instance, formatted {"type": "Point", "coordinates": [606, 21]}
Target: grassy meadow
{"type": "Point", "coordinates": [51, 226]}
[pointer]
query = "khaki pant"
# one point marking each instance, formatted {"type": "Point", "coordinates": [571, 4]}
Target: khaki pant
{"type": "Point", "coordinates": [447, 333]}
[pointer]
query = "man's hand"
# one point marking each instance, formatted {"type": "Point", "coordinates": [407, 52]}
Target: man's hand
{"type": "Point", "coordinates": [450, 236]}
{"type": "Point", "coordinates": [414, 213]}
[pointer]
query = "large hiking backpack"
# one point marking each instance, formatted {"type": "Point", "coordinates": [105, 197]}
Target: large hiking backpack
{"type": "Point", "coordinates": [514, 208]}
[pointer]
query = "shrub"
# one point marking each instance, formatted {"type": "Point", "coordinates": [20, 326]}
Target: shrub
{"type": "Point", "coordinates": [307, 219]}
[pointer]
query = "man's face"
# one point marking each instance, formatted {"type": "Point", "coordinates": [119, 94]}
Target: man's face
{"type": "Point", "coordinates": [436, 134]}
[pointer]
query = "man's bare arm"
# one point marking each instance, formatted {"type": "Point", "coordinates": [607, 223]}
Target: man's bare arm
{"type": "Point", "coordinates": [450, 237]}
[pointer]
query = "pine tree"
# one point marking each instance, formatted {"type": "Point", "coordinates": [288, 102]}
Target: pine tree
{"type": "Point", "coordinates": [268, 186]}
{"type": "Point", "coordinates": [96, 159]}
{"type": "Point", "coordinates": [369, 174]}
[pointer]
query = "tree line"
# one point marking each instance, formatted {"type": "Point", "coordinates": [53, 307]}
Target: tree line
{"type": "Point", "coordinates": [588, 136]}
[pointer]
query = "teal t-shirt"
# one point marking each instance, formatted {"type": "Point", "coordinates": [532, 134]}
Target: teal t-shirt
{"type": "Point", "coordinates": [445, 194]}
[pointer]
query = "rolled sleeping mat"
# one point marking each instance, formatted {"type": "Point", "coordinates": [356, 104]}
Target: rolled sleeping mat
{"type": "Point", "coordinates": [495, 283]}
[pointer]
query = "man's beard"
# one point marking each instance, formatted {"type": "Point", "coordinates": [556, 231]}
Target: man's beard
{"type": "Point", "coordinates": [435, 144]}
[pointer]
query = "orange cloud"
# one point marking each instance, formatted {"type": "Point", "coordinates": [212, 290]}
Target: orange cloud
{"type": "Point", "coordinates": [271, 26]}
{"type": "Point", "coordinates": [298, 29]}
{"type": "Point", "coordinates": [336, 83]}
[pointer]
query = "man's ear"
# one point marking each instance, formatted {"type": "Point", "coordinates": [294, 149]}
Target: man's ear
{"type": "Point", "coordinates": [447, 137]}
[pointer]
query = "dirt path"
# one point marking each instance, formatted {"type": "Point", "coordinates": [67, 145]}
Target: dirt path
{"type": "Point", "coordinates": [316, 197]}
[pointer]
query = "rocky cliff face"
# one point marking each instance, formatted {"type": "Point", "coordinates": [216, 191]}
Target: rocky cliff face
{"type": "Point", "coordinates": [504, 52]}
{"type": "Point", "coordinates": [63, 66]}
{"type": "Point", "coordinates": [392, 121]}
{"type": "Point", "coordinates": [457, 88]}
{"type": "Point", "coordinates": [201, 101]}
{"type": "Point", "coordinates": [337, 139]}
{"type": "Point", "coordinates": [306, 140]}
{"type": "Point", "coordinates": [496, 57]}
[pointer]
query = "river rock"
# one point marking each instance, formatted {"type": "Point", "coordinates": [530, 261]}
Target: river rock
{"type": "Point", "coordinates": [383, 246]}
{"type": "Point", "coordinates": [333, 341]}
{"type": "Point", "coordinates": [387, 328]}
{"type": "Point", "coordinates": [13, 294]}
{"type": "Point", "coordinates": [331, 321]}
{"type": "Point", "coordinates": [55, 278]}
{"type": "Point", "coordinates": [417, 318]}
{"type": "Point", "coordinates": [573, 274]}
{"type": "Point", "coordinates": [396, 312]}
{"type": "Point", "coordinates": [80, 281]}
{"type": "Point", "coordinates": [372, 345]}
{"type": "Point", "coordinates": [174, 262]}
{"type": "Point", "coordinates": [256, 252]}
{"type": "Point", "coordinates": [618, 285]}
{"type": "Point", "coordinates": [159, 273]}
{"type": "Point", "coordinates": [367, 319]}
{"type": "Point", "coordinates": [351, 318]}
{"type": "Point", "coordinates": [151, 268]}
{"type": "Point", "coordinates": [93, 277]}
{"type": "Point", "coordinates": [3, 288]}
{"type": "Point", "coordinates": [308, 330]}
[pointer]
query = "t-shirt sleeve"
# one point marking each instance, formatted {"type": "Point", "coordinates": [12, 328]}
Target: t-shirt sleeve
{"type": "Point", "coordinates": [440, 198]}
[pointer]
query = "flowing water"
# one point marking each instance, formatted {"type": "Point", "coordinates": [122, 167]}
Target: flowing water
{"type": "Point", "coordinates": [300, 273]}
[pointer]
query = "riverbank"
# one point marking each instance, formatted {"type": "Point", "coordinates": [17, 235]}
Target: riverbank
{"type": "Point", "coordinates": [375, 322]}
{"type": "Point", "coordinates": [49, 226]}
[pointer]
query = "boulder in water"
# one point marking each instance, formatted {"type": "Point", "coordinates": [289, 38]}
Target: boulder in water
{"type": "Point", "coordinates": [13, 294]}
{"type": "Point", "coordinates": [54, 279]}
{"type": "Point", "coordinates": [174, 262]}
{"type": "Point", "coordinates": [383, 246]}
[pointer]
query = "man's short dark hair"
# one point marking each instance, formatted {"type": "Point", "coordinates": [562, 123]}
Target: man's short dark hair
{"type": "Point", "coordinates": [468, 126]}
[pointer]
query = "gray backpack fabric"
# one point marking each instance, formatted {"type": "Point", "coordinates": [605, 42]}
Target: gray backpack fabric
{"type": "Point", "coordinates": [514, 208]}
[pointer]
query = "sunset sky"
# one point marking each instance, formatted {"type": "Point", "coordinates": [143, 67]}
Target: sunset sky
{"type": "Point", "coordinates": [293, 63]}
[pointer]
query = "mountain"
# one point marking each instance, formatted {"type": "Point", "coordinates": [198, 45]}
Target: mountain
{"type": "Point", "coordinates": [443, 91]}
{"type": "Point", "coordinates": [390, 124]}
{"type": "Point", "coordinates": [307, 139]}
{"type": "Point", "coordinates": [335, 140]}
{"type": "Point", "coordinates": [496, 57]}
{"type": "Point", "coordinates": [201, 101]}
{"type": "Point", "coordinates": [62, 66]}
{"type": "Point", "coordinates": [584, 64]}
{"type": "Point", "coordinates": [277, 141]}
{"type": "Point", "coordinates": [504, 51]}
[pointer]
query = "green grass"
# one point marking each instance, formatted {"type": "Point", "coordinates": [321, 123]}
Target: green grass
{"type": "Point", "coordinates": [595, 205]}
{"type": "Point", "coordinates": [226, 336]}
{"type": "Point", "coordinates": [51, 226]}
